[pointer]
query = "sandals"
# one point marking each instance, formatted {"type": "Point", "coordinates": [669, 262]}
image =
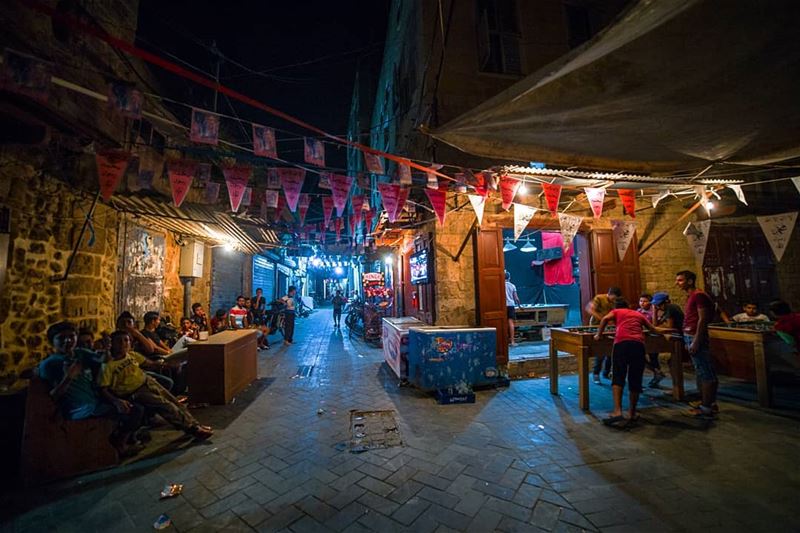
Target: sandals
{"type": "Point", "coordinates": [613, 420]}
{"type": "Point", "coordinates": [201, 432]}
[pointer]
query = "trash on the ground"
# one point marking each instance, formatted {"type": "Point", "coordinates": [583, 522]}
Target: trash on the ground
{"type": "Point", "coordinates": [212, 450]}
{"type": "Point", "coordinates": [162, 522]}
{"type": "Point", "coordinates": [540, 426]}
{"type": "Point", "coordinates": [360, 435]}
{"type": "Point", "coordinates": [171, 490]}
{"type": "Point", "coordinates": [233, 401]}
{"type": "Point", "coordinates": [320, 411]}
{"type": "Point", "coordinates": [340, 446]}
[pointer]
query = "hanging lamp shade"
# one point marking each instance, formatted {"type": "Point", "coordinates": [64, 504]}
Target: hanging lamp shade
{"type": "Point", "coordinates": [508, 246]}
{"type": "Point", "coordinates": [528, 247]}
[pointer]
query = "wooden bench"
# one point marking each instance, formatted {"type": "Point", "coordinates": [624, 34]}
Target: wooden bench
{"type": "Point", "coordinates": [55, 448]}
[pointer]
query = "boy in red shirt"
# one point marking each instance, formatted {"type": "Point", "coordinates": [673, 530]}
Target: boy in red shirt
{"type": "Point", "coordinates": [628, 357]}
{"type": "Point", "coordinates": [787, 324]}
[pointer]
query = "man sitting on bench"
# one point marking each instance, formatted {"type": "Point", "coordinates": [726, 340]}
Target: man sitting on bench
{"type": "Point", "coordinates": [71, 373]}
{"type": "Point", "coordinates": [124, 384]}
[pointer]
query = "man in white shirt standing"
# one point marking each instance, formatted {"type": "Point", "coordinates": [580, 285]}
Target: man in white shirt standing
{"type": "Point", "coordinates": [512, 300]}
{"type": "Point", "coordinates": [289, 315]}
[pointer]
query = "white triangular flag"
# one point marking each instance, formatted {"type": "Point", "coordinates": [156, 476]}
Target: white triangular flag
{"type": "Point", "coordinates": [657, 199]}
{"type": "Point", "coordinates": [623, 232]}
{"type": "Point", "coordinates": [522, 215]}
{"type": "Point", "coordinates": [796, 182]}
{"type": "Point", "coordinates": [569, 227]}
{"type": "Point", "coordinates": [478, 203]}
{"type": "Point", "coordinates": [701, 192]}
{"type": "Point", "coordinates": [739, 193]}
{"type": "Point", "coordinates": [778, 230]}
{"type": "Point", "coordinates": [595, 197]}
{"type": "Point", "coordinates": [697, 237]}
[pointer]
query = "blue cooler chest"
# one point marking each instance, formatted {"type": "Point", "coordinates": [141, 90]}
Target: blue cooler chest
{"type": "Point", "coordinates": [440, 358]}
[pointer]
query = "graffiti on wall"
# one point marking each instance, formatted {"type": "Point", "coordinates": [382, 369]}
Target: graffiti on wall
{"type": "Point", "coordinates": [143, 271]}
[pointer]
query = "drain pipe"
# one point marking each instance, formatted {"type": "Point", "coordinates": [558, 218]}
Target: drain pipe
{"type": "Point", "coordinates": [187, 296]}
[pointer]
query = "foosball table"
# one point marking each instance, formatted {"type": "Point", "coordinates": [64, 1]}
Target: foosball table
{"type": "Point", "coordinates": [579, 341]}
{"type": "Point", "coordinates": [740, 350]}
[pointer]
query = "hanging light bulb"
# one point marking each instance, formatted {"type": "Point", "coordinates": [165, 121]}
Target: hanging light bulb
{"type": "Point", "coordinates": [529, 247]}
{"type": "Point", "coordinates": [509, 245]}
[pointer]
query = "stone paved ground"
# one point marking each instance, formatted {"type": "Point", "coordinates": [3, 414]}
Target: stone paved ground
{"type": "Point", "coordinates": [517, 460]}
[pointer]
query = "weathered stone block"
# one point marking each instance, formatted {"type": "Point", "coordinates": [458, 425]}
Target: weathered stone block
{"type": "Point", "coordinates": [82, 285]}
{"type": "Point", "coordinates": [74, 307]}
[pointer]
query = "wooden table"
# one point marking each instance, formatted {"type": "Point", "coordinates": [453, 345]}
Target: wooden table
{"type": "Point", "coordinates": [738, 351]}
{"type": "Point", "coordinates": [580, 342]}
{"type": "Point", "coordinates": [222, 366]}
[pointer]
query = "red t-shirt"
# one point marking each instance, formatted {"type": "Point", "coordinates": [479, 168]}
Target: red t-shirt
{"type": "Point", "coordinates": [691, 317]}
{"type": "Point", "coordinates": [239, 314]}
{"type": "Point", "coordinates": [790, 324]}
{"type": "Point", "coordinates": [630, 325]}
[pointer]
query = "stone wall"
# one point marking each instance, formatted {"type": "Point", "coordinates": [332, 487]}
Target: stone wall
{"type": "Point", "coordinates": [455, 280]}
{"type": "Point", "coordinates": [46, 218]}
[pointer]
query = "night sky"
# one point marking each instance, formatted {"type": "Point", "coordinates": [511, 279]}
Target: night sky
{"type": "Point", "coordinates": [311, 51]}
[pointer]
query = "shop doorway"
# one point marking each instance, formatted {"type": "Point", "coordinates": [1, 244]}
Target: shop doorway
{"type": "Point", "coordinates": [557, 298]}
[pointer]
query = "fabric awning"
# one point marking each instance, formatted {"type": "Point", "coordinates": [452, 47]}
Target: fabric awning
{"type": "Point", "coordinates": [673, 85]}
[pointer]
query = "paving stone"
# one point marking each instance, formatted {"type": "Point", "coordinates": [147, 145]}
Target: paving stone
{"type": "Point", "coordinates": [250, 512]}
{"type": "Point", "coordinates": [378, 503]}
{"type": "Point", "coordinates": [346, 496]}
{"type": "Point", "coordinates": [308, 525]}
{"type": "Point", "coordinates": [401, 475]}
{"type": "Point", "coordinates": [431, 480]}
{"type": "Point", "coordinates": [405, 491]}
{"type": "Point", "coordinates": [259, 493]}
{"type": "Point", "coordinates": [348, 515]}
{"type": "Point", "coordinates": [317, 509]}
{"type": "Point", "coordinates": [508, 524]}
{"type": "Point", "coordinates": [545, 515]}
{"type": "Point", "coordinates": [485, 520]}
{"type": "Point", "coordinates": [448, 517]}
{"type": "Point", "coordinates": [376, 486]}
{"type": "Point", "coordinates": [493, 489]}
{"type": "Point", "coordinates": [508, 509]}
{"type": "Point", "coordinates": [223, 505]}
{"type": "Point", "coordinates": [410, 510]}
{"type": "Point", "coordinates": [227, 521]}
{"type": "Point", "coordinates": [440, 497]}
{"type": "Point", "coordinates": [375, 471]}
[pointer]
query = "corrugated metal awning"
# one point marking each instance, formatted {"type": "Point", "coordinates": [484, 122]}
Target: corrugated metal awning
{"type": "Point", "coordinates": [243, 232]}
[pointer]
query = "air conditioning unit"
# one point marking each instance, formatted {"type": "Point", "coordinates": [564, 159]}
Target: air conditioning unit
{"type": "Point", "coordinates": [192, 260]}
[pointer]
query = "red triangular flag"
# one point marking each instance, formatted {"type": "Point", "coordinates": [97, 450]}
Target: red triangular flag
{"type": "Point", "coordinates": [340, 187]}
{"type": "Point", "coordinates": [438, 198]}
{"type": "Point", "coordinates": [327, 210]}
{"type": "Point", "coordinates": [628, 198]}
{"type": "Point", "coordinates": [302, 207]}
{"type": "Point", "coordinates": [357, 203]}
{"type": "Point", "coordinates": [337, 224]}
{"type": "Point", "coordinates": [111, 165]}
{"type": "Point", "coordinates": [552, 194]}
{"type": "Point", "coordinates": [368, 216]}
{"type": "Point", "coordinates": [292, 182]}
{"type": "Point", "coordinates": [508, 190]}
{"type": "Point", "coordinates": [394, 199]}
{"type": "Point", "coordinates": [181, 174]}
{"type": "Point", "coordinates": [279, 209]}
{"type": "Point", "coordinates": [236, 178]}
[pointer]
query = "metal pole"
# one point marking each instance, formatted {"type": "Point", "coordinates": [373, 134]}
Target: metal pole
{"type": "Point", "coordinates": [86, 222]}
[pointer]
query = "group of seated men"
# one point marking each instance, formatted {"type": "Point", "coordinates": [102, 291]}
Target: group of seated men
{"type": "Point", "coordinates": [125, 375]}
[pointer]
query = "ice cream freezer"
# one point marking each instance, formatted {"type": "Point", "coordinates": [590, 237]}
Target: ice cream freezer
{"type": "Point", "coordinates": [395, 343]}
{"type": "Point", "coordinates": [451, 357]}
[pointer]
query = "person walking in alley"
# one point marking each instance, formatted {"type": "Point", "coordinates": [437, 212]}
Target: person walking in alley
{"type": "Point", "coordinates": [628, 356]}
{"type": "Point", "coordinates": [512, 301]}
{"type": "Point", "coordinates": [697, 314]}
{"type": "Point", "coordinates": [338, 302]}
{"type": "Point", "coordinates": [289, 315]}
{"type": "Point", "coordinates": [599, 307]}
